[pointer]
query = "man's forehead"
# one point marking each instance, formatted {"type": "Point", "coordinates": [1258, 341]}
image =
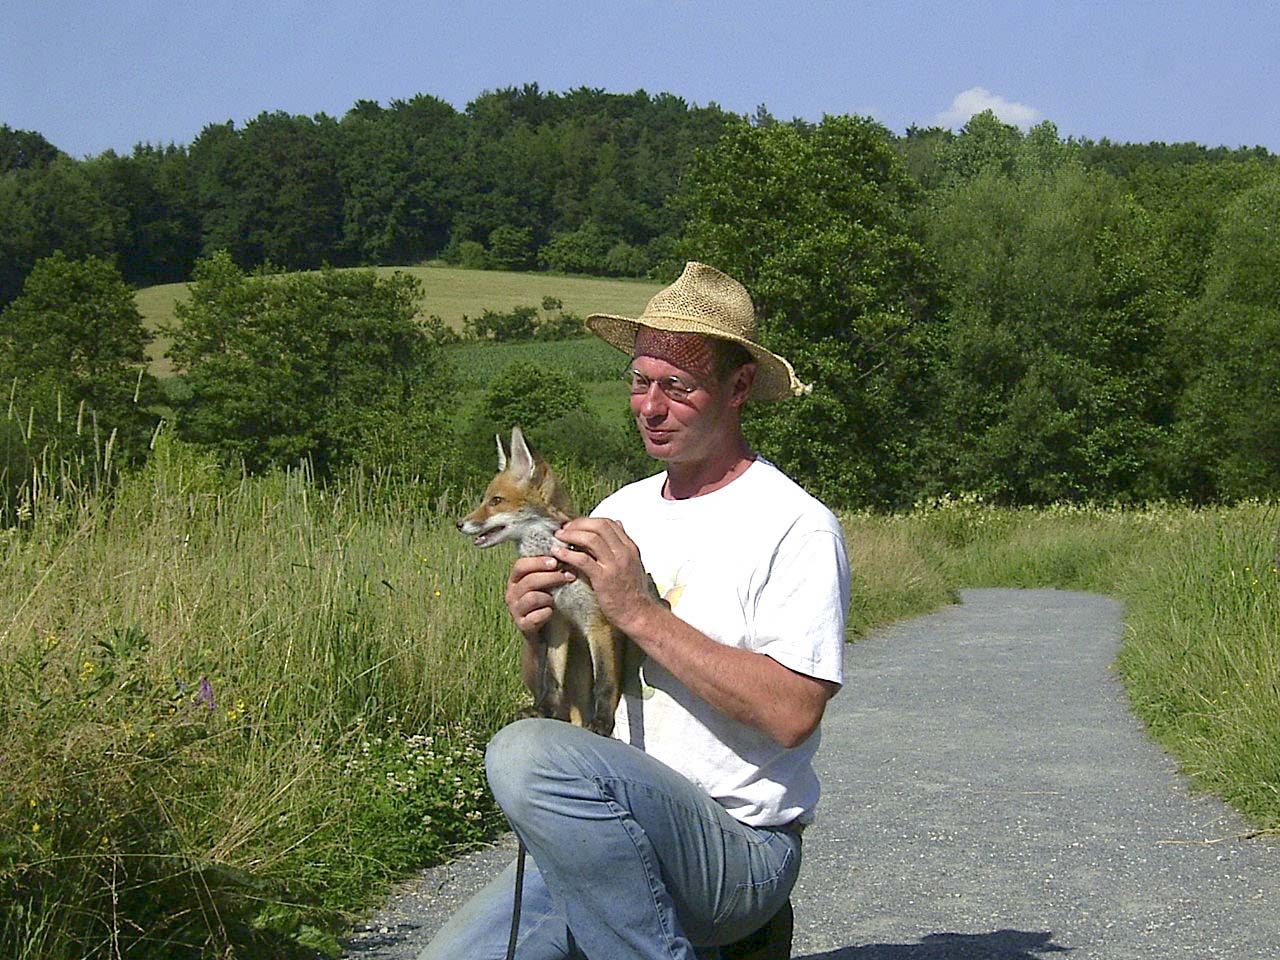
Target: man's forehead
{"type": "Point", "coordinates": [688, 351]}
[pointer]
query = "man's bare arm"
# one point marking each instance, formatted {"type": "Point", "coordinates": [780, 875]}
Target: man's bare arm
{"type": "Point", "coordinates": [750, 687]}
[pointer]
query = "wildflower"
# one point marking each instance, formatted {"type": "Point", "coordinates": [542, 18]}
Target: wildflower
{"type": "Point", "coordinates": [35, 828]}
{"type": "Point", "coordinates": [205, 693]}
{"type": "Point", "coordinates": [437, 593]}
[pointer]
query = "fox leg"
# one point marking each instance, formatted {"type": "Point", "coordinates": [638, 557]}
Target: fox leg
{"type": "Point", "coordinates": [605, 645]}
{"type": "Point", "coordinates": [549, 699]}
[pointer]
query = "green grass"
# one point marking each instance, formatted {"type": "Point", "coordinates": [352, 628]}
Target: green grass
{"type": "Point", "coordinates": [452, 294]}
{"type": "Point", "coordinates": [237, 709]}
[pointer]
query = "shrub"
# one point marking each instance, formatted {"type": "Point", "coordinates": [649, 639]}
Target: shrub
{"type": "Point", "coordinates": [517, 323]}
{"type": "Point", "coordinates": [328, 367]}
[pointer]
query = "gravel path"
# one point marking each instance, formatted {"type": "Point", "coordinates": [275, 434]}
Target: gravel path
{"type": "Point", "coordinates": [987, 796]}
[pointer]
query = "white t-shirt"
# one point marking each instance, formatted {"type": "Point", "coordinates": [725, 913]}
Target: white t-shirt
{"type": "Point", "coordinates": [758, 564]}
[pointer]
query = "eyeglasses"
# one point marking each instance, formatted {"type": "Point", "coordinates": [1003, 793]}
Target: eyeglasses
{"type": "Point", "coordinates": [673, 388]}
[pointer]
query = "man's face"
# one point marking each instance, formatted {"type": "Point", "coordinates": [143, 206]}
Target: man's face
{"type": "Point", "coordinates": [678, 426]}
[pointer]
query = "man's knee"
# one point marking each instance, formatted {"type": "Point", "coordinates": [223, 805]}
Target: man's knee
{"type": "Point", "coordinates": [519, 757]}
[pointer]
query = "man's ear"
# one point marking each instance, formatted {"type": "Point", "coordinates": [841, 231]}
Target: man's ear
{"type": "Point", "coordinates": [741, 383]}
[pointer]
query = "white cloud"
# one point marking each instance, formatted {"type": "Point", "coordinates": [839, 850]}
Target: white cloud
{"type": "Point", "coordinates": [976, 99]}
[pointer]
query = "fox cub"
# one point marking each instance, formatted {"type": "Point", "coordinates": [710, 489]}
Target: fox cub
{"type": "Point", "coordinates": [581, 675]}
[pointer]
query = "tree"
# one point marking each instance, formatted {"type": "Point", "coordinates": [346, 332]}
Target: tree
{"type": "Point", "coordinates": [328, 367]}
{"type": "Point", "coordinates": [72, 345]}
{"type": "Point", "coordinates": [58, 207]}
{"type": "Point", "coordinates": [1229, 413]}
{"type": "Point", "coordinates": [270, 193]}
{"type": "Point", "coordinates": [1051, 382]}
{"type": "Point", "coordinates": [25, 150]}
{"type": "Point", "coordinates": [398, 170]}
{"type": "Point", "coordinates": [815, 223]}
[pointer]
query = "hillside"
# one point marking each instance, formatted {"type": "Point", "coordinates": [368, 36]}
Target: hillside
{"type": "Point", "coordinates": [452, 294]}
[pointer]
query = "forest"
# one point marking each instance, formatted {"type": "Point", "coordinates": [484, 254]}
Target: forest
{"type": "Point", "coordinates": [1005, 313]}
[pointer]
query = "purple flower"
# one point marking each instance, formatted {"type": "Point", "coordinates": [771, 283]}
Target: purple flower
{"type": "Point", "coordinates": [205, 693]}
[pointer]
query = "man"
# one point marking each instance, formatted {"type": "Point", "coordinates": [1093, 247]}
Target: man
{"type": "Point", "coordinates": [685, 832]}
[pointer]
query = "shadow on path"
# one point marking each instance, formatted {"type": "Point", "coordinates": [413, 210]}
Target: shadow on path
{"type": "Point", "coordinates": [998, 945]}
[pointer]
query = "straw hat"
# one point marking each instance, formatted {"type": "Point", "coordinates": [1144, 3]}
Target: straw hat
{"type": "Point", "coordinates": [712, 303]}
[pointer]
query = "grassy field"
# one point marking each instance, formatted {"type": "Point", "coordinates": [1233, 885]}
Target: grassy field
{"type": "Point", "coordinates": [450, 293]}
{"type": "Point", "coordinates": [238, 708]}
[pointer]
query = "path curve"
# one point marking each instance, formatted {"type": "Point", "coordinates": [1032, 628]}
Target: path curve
{"type": "Point", "coordinates": [987, 795]}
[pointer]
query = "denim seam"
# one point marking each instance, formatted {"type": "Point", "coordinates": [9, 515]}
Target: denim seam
{"type": "Point", "coordinates": [650, 868]}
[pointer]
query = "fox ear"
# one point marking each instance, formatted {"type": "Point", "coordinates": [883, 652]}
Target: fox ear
{"type": "Point", "coordinates": [502, 454]}
{"type": "Point", "coordinates": [522, 461]}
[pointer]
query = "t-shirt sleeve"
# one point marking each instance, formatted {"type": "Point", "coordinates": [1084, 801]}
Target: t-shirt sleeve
{"type": "Point", "coordinates": [800, 610]}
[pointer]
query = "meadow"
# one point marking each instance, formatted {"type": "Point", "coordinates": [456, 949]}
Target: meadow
{"type": "Point", "coordinates": [453, 294]}
{"type": "Point", "coordinates": [238, 708]}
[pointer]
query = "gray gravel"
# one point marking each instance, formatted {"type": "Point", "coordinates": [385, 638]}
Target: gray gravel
{"type": "Point", "coordinates": [987, 794]}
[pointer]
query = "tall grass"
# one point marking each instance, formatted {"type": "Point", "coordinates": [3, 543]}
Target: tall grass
{"type": "Point", "coordinates": [237, 708]}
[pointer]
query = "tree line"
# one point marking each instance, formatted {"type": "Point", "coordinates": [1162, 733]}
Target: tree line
{"type": "Point", "coordinates": [1007, 313]}
{"type": "Point", "coordinates": [520, 179]}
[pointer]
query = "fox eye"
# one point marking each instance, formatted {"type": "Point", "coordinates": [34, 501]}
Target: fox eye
{"type": "Point", "coordinates": [494, 501]}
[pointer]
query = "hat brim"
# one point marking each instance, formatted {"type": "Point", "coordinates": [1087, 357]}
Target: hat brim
{"type": "Point", "coordinates": [775, 379]}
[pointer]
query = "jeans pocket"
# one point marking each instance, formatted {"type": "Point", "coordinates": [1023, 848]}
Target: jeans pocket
{"type": "Point", "coordinates": [775, 865]}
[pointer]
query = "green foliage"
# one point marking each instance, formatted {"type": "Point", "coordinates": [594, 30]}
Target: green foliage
{"type": "Point", "coordinates": [516, 324]}
{"type": "Point", "coordinates": [51, 209]}
{"type": "Point", "coordinates": [1052, 383]}
{"type": "Point", "coordinates": [511, 248]}
{"type": "Point", "coordinates": [815, 223]}
{"type": "Point", "coordinates": [584, 250]}
{"type": "Point", "coordinates": [529, 396]}
{"type": "Point", "coordinates": [71, 352]}
{"type": "Point", "coordinates": [469, 254]}
{"type": "Point", "coordinates": [329, 368]}
{"type": "Point", "coordinates": [24, 150]}
{"type": "Point", "coordinates": [271, 193]}
{"type": "Point", "coordinates": [1229, 414]}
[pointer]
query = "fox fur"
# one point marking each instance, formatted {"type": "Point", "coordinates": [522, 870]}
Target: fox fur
{"type": "Point", "coordinates": [581, 674]}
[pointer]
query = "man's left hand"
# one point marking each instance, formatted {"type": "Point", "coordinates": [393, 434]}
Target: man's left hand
{"type": "Point", "coordinates": [610, 561]}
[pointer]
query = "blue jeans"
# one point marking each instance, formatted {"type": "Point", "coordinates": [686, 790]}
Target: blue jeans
{"type": "Point", "coordinates": [627, 858]}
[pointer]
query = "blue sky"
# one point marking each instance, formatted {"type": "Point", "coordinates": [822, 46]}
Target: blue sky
{"type": "Point", "coordinates": [93, 75]}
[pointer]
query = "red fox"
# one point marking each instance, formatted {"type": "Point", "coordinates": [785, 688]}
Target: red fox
{"type": "Point", "coordinates": [581, 675]}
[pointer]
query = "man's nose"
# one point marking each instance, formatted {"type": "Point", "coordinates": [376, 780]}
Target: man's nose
{"type": "Point", "coordinates": [653, 402]}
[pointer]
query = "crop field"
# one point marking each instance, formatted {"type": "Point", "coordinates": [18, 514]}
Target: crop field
{"type": "Point", "coordinates": [450, 293]}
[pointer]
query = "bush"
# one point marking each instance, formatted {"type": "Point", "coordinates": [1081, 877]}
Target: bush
{"type": "Point", "coordinates": [585, 250]}
{"type": "Point", "coordinates": [624, 260]}
{"type": "Point", "coordinates": [517, 323]}
{"type": "Point", "coordinates": [511, 248]}
{"type": "Point", "coordinates": [72, 349]}
{"type": "Point", "coordinates": [469, 254]}
{"type": "Point", "coordinates": [331, 368]}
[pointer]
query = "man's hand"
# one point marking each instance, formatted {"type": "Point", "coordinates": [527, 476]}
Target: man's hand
{"type": "Point", "coordinates": [528, 593]}
{"type": "Point", "coordinates": [610, 561]}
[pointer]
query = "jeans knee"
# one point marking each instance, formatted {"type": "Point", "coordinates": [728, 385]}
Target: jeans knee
{"type": "Point", "coordinates": [535, 766]}
{"type": "Point", "coordinates": [513, 761]}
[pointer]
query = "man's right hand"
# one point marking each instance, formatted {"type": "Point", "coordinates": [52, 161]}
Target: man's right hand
{"type": "Point", "coordinates": [528, 593]}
